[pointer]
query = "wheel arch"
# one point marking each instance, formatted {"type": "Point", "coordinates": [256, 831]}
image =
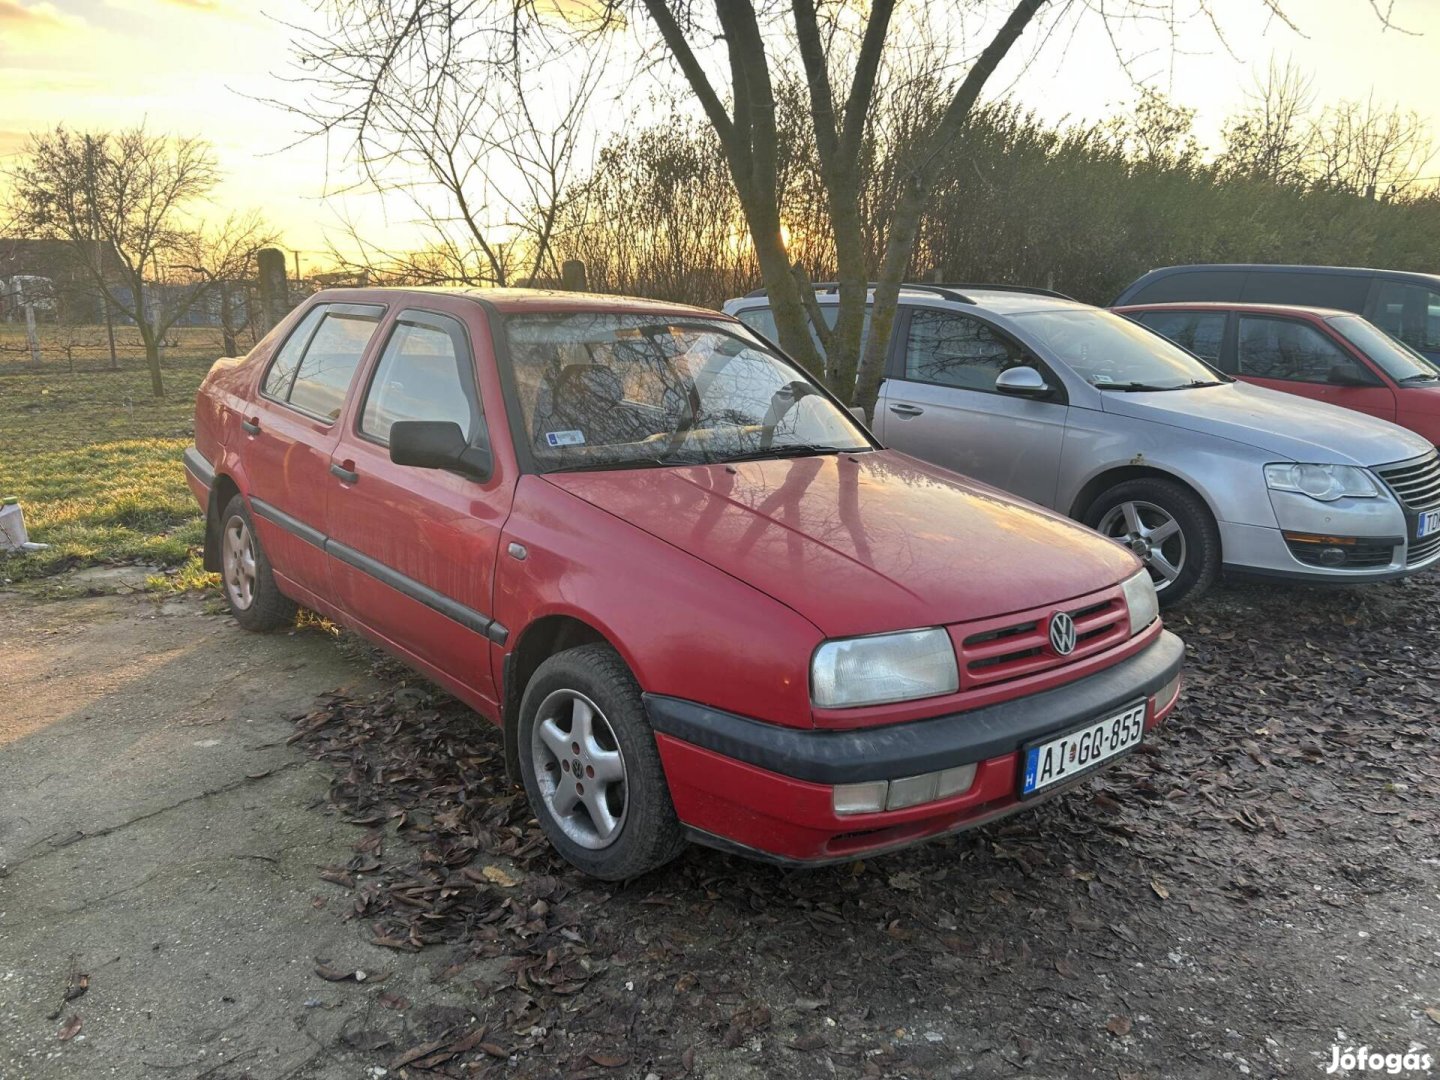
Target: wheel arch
{"type": "Point", "coordinates": [541, 639]}
{"type": "Point", "coordinates": [222, 490]}
{"type": "Point", "coordinates": [1119, 474]}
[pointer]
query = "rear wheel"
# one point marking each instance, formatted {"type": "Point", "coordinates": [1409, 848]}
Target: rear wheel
{"type": "Point", "coordinates": [254, 598]}
{"type": "Point", "coordinates": [591, 770]}
{"type": "Point", "coordinates": [1169, 527]}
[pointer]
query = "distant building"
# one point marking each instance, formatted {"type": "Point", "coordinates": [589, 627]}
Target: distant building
{"type": "Point", "coordinates": [53, 277]}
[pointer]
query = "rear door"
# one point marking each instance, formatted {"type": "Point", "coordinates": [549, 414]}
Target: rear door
{"type": "Point", "coordinates": [289, 432]}
{"type": "Point", "coordinates": [1297, 357]}
{"type": "Point", "coordinates": [939, 403]}
{"type": "Point", "coordinates": [414, 549]}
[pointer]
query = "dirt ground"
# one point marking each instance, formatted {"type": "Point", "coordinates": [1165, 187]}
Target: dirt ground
{"type": "Point", "coordinates": [1260, 884]}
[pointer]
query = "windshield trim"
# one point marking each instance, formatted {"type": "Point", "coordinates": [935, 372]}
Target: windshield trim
{"type": "Point", "coordinates": [719, 323]}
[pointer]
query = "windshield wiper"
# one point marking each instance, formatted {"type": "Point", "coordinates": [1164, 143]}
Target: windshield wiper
{"type": "Point", "coordinates": [1132, 387]}
{"type": "Point", "coordinates": [791, 450]}
{"type": "Point", "coordinates": [1421, 376]}
{"type": "Point", "coordinates": [662, 462]}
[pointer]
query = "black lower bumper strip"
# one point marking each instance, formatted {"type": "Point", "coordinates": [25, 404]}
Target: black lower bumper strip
{"type": "Point", "coordinates": [882, 753]}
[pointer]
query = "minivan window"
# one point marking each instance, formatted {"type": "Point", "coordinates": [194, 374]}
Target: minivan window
{"type": "Point", "coordinates": [1202, 332]}
{"type": "Point", "coordinates": [956, 350]}
{"type": "Point", "coordinates": [1191, 285]}
{"type": "Point", "coordinates": [1112, 353]}
{"type": "Point", "coordinates": [1287, 349]}
{"type": "Point", "coordinates": [1396, 359]}
{"type": "Point", "coordinates": [331, 359]}
{"type": "Point", "coordinates": [607, 391]}
{"type": "Point", "coordinates": [421, 376]}
{"type": "Point", "coordinates": [1409, 312]}
{"type": "Point", "coordinates": [1307, 289]}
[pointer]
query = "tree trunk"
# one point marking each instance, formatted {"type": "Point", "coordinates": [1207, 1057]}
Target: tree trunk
{"type": "Point", "coordinates": [152, 360]}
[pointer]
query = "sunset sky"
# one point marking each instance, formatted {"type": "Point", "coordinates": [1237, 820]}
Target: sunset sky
{"type": "Point", "coordinates": [205, 67]}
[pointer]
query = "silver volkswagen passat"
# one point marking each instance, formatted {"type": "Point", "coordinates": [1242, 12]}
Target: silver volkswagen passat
{"type": "Point", "coordinates": [1081, 410]}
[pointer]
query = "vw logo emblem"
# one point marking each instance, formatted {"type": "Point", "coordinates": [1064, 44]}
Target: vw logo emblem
{"type": "Point", "coordinates": [1062, 633]}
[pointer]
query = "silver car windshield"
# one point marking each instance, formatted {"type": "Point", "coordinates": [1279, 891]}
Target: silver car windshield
{"type": "Point", "coordinates": [1112, 353]}
{"type": "Point", "coordinates": [611, 391]}
{"type": "Point", "coordinates": [1399, 361]}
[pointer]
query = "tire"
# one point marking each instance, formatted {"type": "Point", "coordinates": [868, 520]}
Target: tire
{"type": "Point", "coordinates": [1183, 563]}
{"type": "Point", "coordinates": [618, 821]}
{"type": "Point", "coordinates": [249, 586]}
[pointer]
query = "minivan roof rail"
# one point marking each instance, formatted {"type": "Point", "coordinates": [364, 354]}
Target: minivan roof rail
{"type": "Point", "coordinates": [944, 291]}
{"type": "Point", "coordinates": [949, 290]}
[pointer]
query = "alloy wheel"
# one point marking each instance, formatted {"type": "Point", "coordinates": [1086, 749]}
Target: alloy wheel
{"type": "Point", "coordinates": [1152, 533]}
{"type": "Point", "coordinates": [238, 558]}
{"type": "Point", "coordinates": [579, 769]}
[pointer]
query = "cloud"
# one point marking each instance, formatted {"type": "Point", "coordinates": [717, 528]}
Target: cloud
{"type": "Point", "coordinates": [40, 15]}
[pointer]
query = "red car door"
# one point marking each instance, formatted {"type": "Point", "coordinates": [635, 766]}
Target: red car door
{"type": "Point", "coordinates": [413, 549]}
{"type": "Point", "coordinates": [289, 430]}
{"type": "Point", "coordinates": [1298, 357]}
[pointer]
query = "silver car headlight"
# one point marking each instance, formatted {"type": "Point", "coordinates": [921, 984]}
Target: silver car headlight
{"type": "Point", "coordinates": [1323, 482]}
{"type": "Point", "coordinates": [884, 668]}
{"type": "Point", "coordinates": [1140, 598]}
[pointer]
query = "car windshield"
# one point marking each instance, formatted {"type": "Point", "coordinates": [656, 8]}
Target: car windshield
{"type": "Point", "coordinates": [611, 391]}
{"type": "Point", "coordinates": [1398, 360]}
{"type": "Point", "coordinates": [1112, 353]}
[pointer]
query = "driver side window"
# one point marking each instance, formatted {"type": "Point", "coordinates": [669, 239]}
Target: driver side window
{"type": "Point", "coordinates": [956, 350]}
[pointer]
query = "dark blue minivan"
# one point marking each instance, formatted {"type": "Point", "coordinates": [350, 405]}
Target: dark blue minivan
{"type": "Point", "coordinates": [1404, 304]}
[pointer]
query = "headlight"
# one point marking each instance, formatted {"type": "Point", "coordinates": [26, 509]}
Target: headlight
{"type": "Point", "coordinates": [1323, 482]}
{"type": "Point", "coordinates": [1140, 598]}
{"type": "Point", "coordinates": [887, 667]}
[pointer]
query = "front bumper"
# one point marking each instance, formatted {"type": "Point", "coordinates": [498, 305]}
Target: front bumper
{"type": "Point", "coordinates": [1258, 552]}
{"type": "Point", "coordinates": [767, 790]}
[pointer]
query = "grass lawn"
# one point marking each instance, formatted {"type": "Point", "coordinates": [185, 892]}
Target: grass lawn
{"type": "Point", "coordinates": [95, 462]}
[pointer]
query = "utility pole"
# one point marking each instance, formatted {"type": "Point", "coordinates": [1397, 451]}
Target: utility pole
{"type": "Point", "coordinates": [98, 252]}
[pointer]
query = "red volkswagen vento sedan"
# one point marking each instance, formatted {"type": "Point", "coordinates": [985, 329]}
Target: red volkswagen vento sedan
{"type": "Point", "coordinates": [695, 594]}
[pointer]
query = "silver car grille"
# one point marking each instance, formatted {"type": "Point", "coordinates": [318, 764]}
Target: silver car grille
{"type": "Point", "coordinates": [1416, 483]}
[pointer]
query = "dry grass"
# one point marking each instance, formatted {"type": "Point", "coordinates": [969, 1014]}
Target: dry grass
{"type": "Point", "coordinates": [95, 461]}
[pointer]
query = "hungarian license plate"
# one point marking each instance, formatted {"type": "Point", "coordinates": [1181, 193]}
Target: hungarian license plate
{"type": "Point", "coordinates": [1429, 524]}
{"type": "Point", "coordinates": [1079, 751]}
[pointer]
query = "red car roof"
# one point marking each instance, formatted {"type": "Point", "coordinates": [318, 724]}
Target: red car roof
{"type": "Point", "coordinates": [1224, 305]}
{"type": "Point", "coordinates": [526, 301]}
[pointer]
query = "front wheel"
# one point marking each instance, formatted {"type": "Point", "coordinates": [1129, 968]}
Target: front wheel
{"type": "Point", "coordinates": [254, 598]}
{"type": "Point", "coordinates": [591, 770]}
{"type": "Point", "coordinates": [1169, 527]}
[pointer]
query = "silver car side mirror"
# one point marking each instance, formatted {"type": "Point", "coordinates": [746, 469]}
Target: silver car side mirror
{"type": "Point", "coordinates": [1022, 382]}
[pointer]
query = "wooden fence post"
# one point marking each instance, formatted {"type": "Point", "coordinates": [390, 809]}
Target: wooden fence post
{"type": "Point", "coordinates": [31, 335]}
{"type": "Point", "coordinates": [572, 275]}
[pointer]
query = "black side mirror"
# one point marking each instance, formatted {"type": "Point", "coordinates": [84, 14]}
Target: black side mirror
{"type": "Point", "coordinates": [438, 444]}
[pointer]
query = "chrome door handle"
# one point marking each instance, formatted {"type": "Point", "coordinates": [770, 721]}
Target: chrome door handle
{"type": "Point", "coordinates": [906, 410]}
{"type": "Point", "coordinates": [348, 475]}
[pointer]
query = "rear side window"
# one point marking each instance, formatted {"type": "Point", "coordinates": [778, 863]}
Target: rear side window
{"type": "Point", "coordinates": [425, 373]}
{"type": "Point", "coordinates": [956, 350]}
{"type": "Point", "coordinates": [331, 358]}
{"type": "Point", "coordinates": [1295, 351]}
{"type": "Point", "coordinates": [1199, 331]}
{"type": "Point", "coordinates": [1191, 285]}
{"type": "Point", "coordinates": [762, 321]}
{"type": "Point", "coordinates": [1410, 313]}
{"type": "Point", "coordinates": [1344, 291]}
{"type": "Point", "coordinates": [282, 368]}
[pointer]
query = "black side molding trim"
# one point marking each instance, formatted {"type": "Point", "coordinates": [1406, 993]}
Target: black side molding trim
{"type": "Point", "coordinates": [198, 467]}
{"type": "Point", "coordinates": [920, 746]}
{"type": "Point", "coordinates": [311, 536]}
{"type": "Point", "coordinates": [467, 617]}
{"type": "Point", "coordinates": [452, 609]}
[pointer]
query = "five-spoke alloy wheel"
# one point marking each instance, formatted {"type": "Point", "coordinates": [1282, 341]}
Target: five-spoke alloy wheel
{"type": "Point", "coordinates": [250, 590]}
{"type": "Point", "coordinates": [1168, 527]}
{"type": "Point", "coordinates": [590, 766]}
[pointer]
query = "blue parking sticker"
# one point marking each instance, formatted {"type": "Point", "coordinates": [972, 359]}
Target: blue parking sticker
{"type": "Point", "coordinates": [564, 438]}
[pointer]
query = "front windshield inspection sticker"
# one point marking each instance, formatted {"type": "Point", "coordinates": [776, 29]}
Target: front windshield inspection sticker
{"type": "Point", "coordinates": [564, 438]}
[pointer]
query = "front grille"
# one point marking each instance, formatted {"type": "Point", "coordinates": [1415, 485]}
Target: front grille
{"type": "Point", "coordinates": [1420, 550]}
{"type": "Point", "coordinates": [1415, 483]}
{"type": "Point", "coordinates": [1006, 649]}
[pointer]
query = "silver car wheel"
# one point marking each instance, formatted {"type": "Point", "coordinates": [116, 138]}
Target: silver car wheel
{"type": "Point", "coordinates": [1152, 533]}
{"type": "Point", "coordinates": [238, 558]}
{"type": "Point", "coordinates": [579, 769]}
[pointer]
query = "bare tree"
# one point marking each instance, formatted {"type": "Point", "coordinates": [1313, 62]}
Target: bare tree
{"type": "Point", "coordinates": [1366, 150]}
{"type": "Point", "coordinates": [733, 58]}
{"type": "Point", "coordinates": [1273, 137]}
{"type": "Point", "coordinates": [123, 200]}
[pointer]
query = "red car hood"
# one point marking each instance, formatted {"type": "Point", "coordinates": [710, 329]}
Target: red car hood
{"type": "Point", "coordinates": [865, 543]}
